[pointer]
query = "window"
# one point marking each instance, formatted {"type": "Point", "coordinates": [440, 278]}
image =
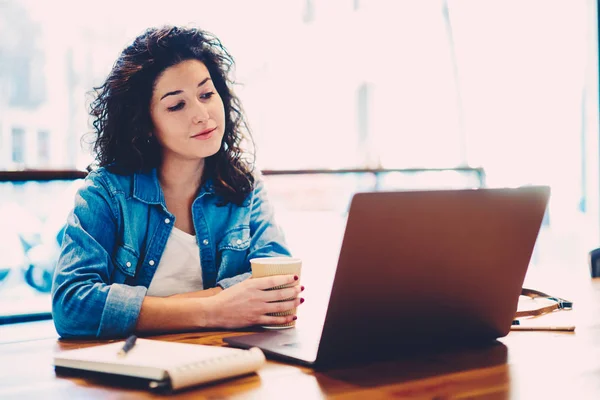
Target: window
{"type": "Point", "coordinates": [22, 73]}
{"type": "Point", "coordinates": [341, 84]}
{"type": "Point", "coordinates": [43, 145]}
{"type": "Point", "coordinates": [33, 214]}
{"type": "Point", "coordinates": [18, 146]}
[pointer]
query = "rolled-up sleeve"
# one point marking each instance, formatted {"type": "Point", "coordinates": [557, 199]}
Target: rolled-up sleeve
{"type": "Point", "coordinates": [85, 303]}
{"type": "Point", "coordinates": [121, 310]}
{"type": "Point", "coordinates": [228, 282]}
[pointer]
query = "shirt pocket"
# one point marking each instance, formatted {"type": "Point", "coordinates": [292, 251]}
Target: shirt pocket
{"type": "Point", "coordinates": [126, 260]}
{"type": "Point", "coordinates": [232, 251]}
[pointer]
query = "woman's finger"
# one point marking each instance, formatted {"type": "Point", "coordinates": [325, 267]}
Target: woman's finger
{"type": "Point", "coordinates": [280, 320]}
{"type": "Point", "coordinates": [281, 294]}
{"type": "Point", "coordinates": [270, 282]}
{"type": "Point", "coordinates": [282, 306]}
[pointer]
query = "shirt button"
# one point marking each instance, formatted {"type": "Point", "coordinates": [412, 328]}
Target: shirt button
{"type": "Point", "coordinates": [238, 241]}
{"type": "Point", "coordinates": [151, 262]}
{"type": "Point", "coordinates": [167, 220]}
{"type": "Point", "coordinates": [128, 264]}
{"type": "Point", "coordinates": [205, 242]}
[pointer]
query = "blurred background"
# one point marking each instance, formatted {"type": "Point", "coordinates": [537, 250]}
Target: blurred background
{"type": "Point", "coordinates": [342, 96]}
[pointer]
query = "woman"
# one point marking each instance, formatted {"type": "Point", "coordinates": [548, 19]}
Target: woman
{"type": "Point", "coordinates": [163, 228]}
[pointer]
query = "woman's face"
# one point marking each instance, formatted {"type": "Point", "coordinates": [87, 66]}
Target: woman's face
{"type": "Point", "coordinates": [187, 113]}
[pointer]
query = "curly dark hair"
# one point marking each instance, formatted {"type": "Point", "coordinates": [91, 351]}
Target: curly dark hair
{"type": "Point", "coordinates": [121, 109]}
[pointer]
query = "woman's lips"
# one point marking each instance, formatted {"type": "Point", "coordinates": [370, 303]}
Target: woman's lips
{"type": "Point", "coordinates": [207, 134]}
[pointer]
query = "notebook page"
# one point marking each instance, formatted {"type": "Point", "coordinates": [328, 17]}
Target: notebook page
{"type": "Point", "coordinates": [147, 359]}
{"type": "Point", "coordinates": [222, 367]}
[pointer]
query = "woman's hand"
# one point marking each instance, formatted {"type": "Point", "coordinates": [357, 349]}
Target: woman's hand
{"type": "Point", "coordinates": [248, 302]}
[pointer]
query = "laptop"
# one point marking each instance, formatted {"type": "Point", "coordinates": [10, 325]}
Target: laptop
{"type": "Point", "coordinates": [419, 270]}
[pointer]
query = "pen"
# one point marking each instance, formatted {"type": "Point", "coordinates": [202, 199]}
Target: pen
{"type": "Point", "coordinates": [160, 386]}
{"type": "Point", "coordinates": [568, 328]}
{"type": "Point", "coordinates": [129, 343]}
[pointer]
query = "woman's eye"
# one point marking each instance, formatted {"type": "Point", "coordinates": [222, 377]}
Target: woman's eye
{"type": "Point", "coordinates": [176, 107]}
{"type": "Point", "coordinates": [207, 95]}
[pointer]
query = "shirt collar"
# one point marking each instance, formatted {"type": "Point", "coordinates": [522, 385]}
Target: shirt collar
{"type": "Point", "coordinates": [146, 188]}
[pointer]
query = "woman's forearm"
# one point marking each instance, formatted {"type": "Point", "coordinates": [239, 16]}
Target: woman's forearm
{"type": "Point", "coordinates": [199, 293]}
{"type": "Point", "coordinates": [163, 314]}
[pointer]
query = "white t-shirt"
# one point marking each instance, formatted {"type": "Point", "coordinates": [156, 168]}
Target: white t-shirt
{"type": "Point", "coordinates": [179, 269]}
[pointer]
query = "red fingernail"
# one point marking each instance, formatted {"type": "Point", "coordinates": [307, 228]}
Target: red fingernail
{"type": "Point", "coordinates": [295, 318]}
{"type": "Point", "coordinates": [295, 277]}
{"type": "Point", "coordinates": [301, 288]}
{"type": "Point", "coordinates": [301, 300]}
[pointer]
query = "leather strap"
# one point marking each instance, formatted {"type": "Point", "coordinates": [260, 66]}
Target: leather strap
{"type": "Point", "coordinates": [559, 304]}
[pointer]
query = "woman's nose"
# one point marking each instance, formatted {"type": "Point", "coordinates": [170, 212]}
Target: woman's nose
{"type": "Point", "coordinates": [200, 113]}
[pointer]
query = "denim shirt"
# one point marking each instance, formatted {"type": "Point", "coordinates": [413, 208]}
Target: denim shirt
{"type": "Point", "coordinates": [116, 234]}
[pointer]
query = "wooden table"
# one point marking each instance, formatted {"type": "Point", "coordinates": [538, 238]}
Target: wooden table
{"type": "Point", "coordinates": [523, 365]}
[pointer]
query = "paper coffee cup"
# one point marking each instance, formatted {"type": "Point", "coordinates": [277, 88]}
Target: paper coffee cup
{"type": "Point", "coordinates": [270, 266]}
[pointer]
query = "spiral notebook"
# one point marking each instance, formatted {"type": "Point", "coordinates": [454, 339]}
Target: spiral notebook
{"type": "Point", "coordinates": [166, 365]}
